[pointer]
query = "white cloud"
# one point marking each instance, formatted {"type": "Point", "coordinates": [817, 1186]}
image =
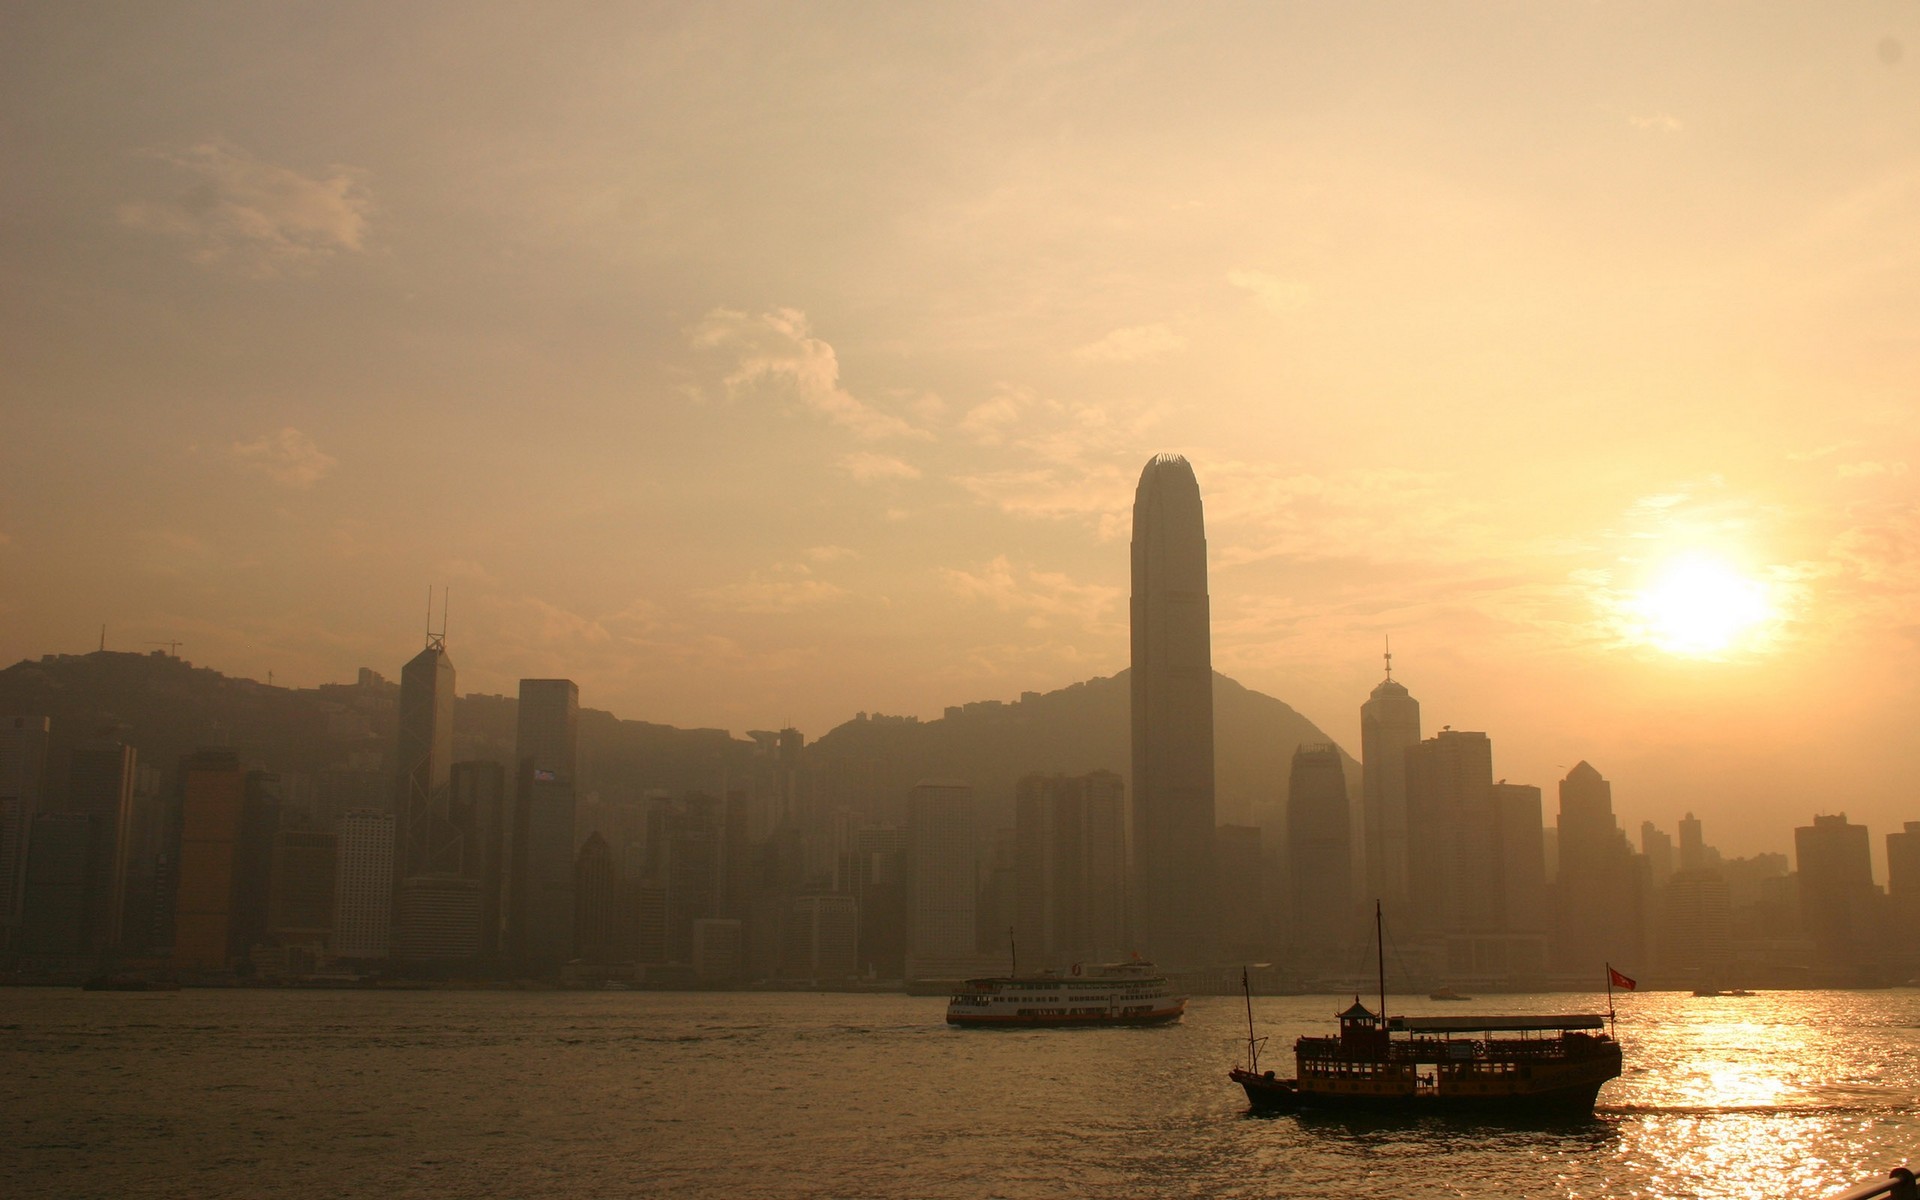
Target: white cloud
{"type": "Point", "coordinates": [255, 214]}
{"type": "Point", "coordinates": [775, 354]}
{"type": "Point", "coordinates": [827, 554]}
{"type": "Point", "coordinates": [288, 457]}
{"type": "Point", "coordinates": [1044, 596]}
{"type": "Point", "coordinates": [1135, 343]}
{"type": "Point", "coordinates": [1281, 297]}
{"type": "Point", "coordinates": [1869, 470]}
{"type": "Point", "coordinates": [869, 468]}
{"type": "Point", "coordinates": [789, 587]}
{"type": "Point", "coordinates": [1658, 122]}
{"type": "Point", "coordinates": [988, 423]}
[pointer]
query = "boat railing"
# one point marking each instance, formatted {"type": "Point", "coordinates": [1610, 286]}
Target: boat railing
{"type": "Point", "coordinates": [1898, 1185]}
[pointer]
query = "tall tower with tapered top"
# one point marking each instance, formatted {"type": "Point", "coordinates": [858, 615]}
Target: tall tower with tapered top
{"type": "Point", "coordinates": [1172, 679]}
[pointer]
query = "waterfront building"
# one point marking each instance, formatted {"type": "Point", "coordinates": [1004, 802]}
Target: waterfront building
{"type": "Point", "coordinates": [541, 851]}
{"type": "Point", "coordinates": [300, 907]}
{"type": "Point", "coordinates": [823, 939]}
{"type": "Point", "coordinates": [1598, 892]}
{"type": "Point", "coordinates": [1172, 718]}
{"type": "Point", "coordinates": [55, 903]}
{"type": "Point", "coordinates": [363, 887]}
{"type": "Point", "coordinates": [1658, 849]}
{"type": "Point", "coordinates": [23, 768]}
{"type": "Point", "coordinates": [1389, 725]}
{"type": "Point", "coordinates": [479, 807]}
{"type": "Point", "coordinates": [1696, 925]}
{"type": "Point", "coordinates": [1833, 862]}
{"type": "Point", "coordinates": [429, 842]}
{"type": "Point", "coordinates": [1244, 893]}
{"type": "Point", "coordinates": [213, 795]}
{"type": "Point", "coordinates": [1903, 891]}
{"type": "Point", "coordinates": [100, 779]}
{"type": "Point", "coordinates": [437, 918]}
{"type": "Point", "coordinates": [940, 840]}
{"type": "Point", "coordinates": [1320, 907]}
{"type": "Point", "coordinates": [719, 946]}
{"type": "Point", "coordinates": [1071, 867]}
{"type": "Point", "coordinates": [596, 886]}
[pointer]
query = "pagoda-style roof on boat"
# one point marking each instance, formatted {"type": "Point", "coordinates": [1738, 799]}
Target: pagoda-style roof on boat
{"type": "Point", "coordinates": [1451, 1024]}
{"type": "Point", "coordinates": [1359, 1012]}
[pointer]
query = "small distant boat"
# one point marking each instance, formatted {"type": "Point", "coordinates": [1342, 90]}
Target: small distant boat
{"type": "Point", "coordinates": [1542, 1066]}
{"type": "Point", "coordinates": [1124, 993]}
{"type": "Point", "coordinates": [1446, 993]}
{"type": "Point", "coordinates": [1719, 992]}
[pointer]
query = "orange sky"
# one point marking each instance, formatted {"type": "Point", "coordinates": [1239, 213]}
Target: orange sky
{"type": "Point", "coordinates": [758, 364]}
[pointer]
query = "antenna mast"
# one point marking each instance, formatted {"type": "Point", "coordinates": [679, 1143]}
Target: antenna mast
{"type": "Point", "coordinates": [1389, 638]}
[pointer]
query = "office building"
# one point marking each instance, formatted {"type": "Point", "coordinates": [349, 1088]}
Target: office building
{"type": "Point", "coordinates": [363, 887]}
{"type": "Point", "coordinates": [541, 850]}
{"type": "Point", "coordinates": [1172, 714]}
{"type": "Point", "coordinates": [1832, 860]}
{"type": "Point", "coordinates": [1389, 725]}
{"type": "Point", "coordinates": [1071, 856]}
{"type": "Point", "coordinates": [823, 939]}
{"type": "Point", "coordinates": [100, 779]}
{"type": "Point", "coordinates": [213, 795]}
{"type": "Point", "coordinates": [940, 847]}
{"type": "Point", "coordinates": [429, 841]}
{"type": "Point", "coordinates": [23, 769]}
{"type": "Point", "coordinates": [1599, 909]}
{"type": "Point", "coordinates": [1319, 855]}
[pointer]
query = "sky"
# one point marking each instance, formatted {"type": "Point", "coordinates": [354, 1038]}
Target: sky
{"type": "Point", "coordinates": [758, 364]}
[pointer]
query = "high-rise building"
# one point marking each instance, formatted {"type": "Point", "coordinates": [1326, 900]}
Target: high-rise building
{"type": "Point", "coordinates": [1696, 924]}
{"type": "Point", "coordinates": [1172, 688]}
{"type": "Point", "coordinates": [55, 905]}
{"type": "Point", "coordinates": [1598, 893]}
{"type": "Point", "coordinates": [1658, 848]}
{"type": "Point", "coordinates": [480, 810]}
{"type": "Point", "coordinates": [1693, 844]}
{"type": "Point", "coordinates": [429, 842]}
{"type": "Point", "coordinates": [1245, 898]}
{"type": "Point", "coordinates": [363, 887]}
{"type": "Point", "coordinates": [1319, 854]}
{"type": "Point", "coordinates": [23, 769]}
{"type": "Point", "coordinates": [1903, 891]}
{"type": "Point", "coordinates": [1389, 724]}
{"type": "Point", "coordinates": [1832, 859]}
{"type": "Point", "coordinates": [100, 780]}
{"type": "Point", "coordinates": [686, 857]}
{"type": "Point", "coordinates": [1070, 834]}
{"type": "Point", "coordinates": [719, 944]}
{"type": "Point", "coordinates": [436, 918]}
{"type": "Point", "coordinates": [541, 854]}
{"type": "Point", "coordinates": [823, 938]}
{"type": "Point", "coordinates": [300, 908]}
{"type": "Point", "coordinates": [213, 794]}
{"type": "Point", "coordinates": [940, 849]}
{"type": "Point", "coordinates": [596, 888]}
{"type": "Point", "coordinates": [1454, 863]}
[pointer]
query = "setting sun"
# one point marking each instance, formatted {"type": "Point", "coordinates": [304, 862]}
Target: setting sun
{"type": "Point", "coordinates": [1699, 606]}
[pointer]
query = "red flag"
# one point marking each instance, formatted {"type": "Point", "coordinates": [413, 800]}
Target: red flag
{"type": "Point", "coordinates": [1620, 981]}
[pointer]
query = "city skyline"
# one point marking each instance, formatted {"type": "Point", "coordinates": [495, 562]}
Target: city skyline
{"type": "Point", "coordinates": [758, 368]}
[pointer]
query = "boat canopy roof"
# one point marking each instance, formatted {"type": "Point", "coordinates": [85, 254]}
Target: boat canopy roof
{"type": "Point", "coordinates": [1496, 1024]}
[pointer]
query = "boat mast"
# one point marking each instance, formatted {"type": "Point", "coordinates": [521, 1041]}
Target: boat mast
{"type": "Point", "coordinates": [1253, 1047]}
{"type": "Point", "coordinates": [1380, 961]}
{"type": "Point", "coordinates": [1013, 955]}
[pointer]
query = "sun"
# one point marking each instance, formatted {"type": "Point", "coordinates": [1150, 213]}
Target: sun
{"type": "Point", "coordinates": [1700, 606]}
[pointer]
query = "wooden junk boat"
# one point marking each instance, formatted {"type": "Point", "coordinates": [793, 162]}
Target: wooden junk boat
{"type": "Point", "coordinates": [1537, 1066]}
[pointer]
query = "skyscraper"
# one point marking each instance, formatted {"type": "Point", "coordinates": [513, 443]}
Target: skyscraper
{"type": "Point", "coordinates": [363, 885]}
{"type": "Point", "coordinates": [429, 843]}
{"type": "Point", "coordinates": [546, 757]}
{"type": "Point", "coordinates": [940, 851]}
{"type": "Point", "coordinates": [23, 767]}
{"type": "Point", "coordinates": [1172, 682]}
{"type": "Point", "coordinates": [1837, 895]}
{"type": "Point", "coordinates": [1389, 723]}
{"type": "Point", "coordinates": [213, 795]}
{"type": "Point", "coordinates": [1071, 867]}
{"type": "Point", "coordinates": [1599, 914]}
{"type": "Point", "coordinates": [1319, 853]}
{"type": "Point", "coordinates": [100, 784]}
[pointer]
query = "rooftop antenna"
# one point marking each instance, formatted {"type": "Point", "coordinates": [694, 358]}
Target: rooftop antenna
{"type": "Point", "coordinates": [1389, 638]}
{"type": "Point", "coordinates": [103, 639]}
{"type": "Point", "coordinates": [436, 641]}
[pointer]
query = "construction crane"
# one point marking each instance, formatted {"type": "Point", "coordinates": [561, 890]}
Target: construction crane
{"type": "Point", "coordinates": [173, 648]}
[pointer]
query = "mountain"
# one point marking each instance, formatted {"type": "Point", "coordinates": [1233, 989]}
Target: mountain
{"type": "Point", "coordinates": [166, 708]}
{"type": "Point", "coordinates": [1080, 728]}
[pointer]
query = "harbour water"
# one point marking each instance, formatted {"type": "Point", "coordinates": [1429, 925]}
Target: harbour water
{"type": "Point", "coordinates": [349, 1094]}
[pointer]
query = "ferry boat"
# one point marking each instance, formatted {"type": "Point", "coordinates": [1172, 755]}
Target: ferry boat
{"type": "Point", "coordinates": [1125, 993]}
{"type": "Point", "coordinates": [1533, 1066]}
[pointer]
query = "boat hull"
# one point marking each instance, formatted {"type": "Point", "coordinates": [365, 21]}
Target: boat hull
{"type": "Point", "coordinates": [1570, 1098]}
{"type": "Point", "coordinates": [1013, 1021]}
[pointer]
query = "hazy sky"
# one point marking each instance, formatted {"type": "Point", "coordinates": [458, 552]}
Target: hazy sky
{"type": "Point", "coordinates": [757, 364]}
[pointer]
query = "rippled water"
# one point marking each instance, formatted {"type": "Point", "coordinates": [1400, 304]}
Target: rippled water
{"type": "Point", "coordinates": [209, 1093]}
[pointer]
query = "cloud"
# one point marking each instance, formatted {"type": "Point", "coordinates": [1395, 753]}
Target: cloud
{"type": "Point", "coordinates": [827, 554]}
{"type": "Point", "coordinates": [1135, 343]}
{"type": "Point", "coordinates": [1281, 297]}
{"type": "Point", "coordinates": [288, 457]}
{"type": "Point", "coordinates": [1658, 122]}
{"type": "Point", "coordinates": [254, 214]}
{"type": "Point", "coordinates": [1045, 597]}
{"type": "Point", "coordinates": [776, 355]}
{"type": "Point", "coordinates": [789, 587]}
{"type": "Point", "coordinates": [869, 468]}
{"type": "Point", "coordinates": [1870, 470]}
{"type": "Point", "coordinates": [988, 423]}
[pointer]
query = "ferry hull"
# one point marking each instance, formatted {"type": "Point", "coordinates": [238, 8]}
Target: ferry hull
{"type": "Point", "coordinates": [1570, 1098]}
{"type": "Point", "coordinates": [1014, 1021]}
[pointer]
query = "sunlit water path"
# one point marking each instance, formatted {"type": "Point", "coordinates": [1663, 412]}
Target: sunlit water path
{"type": "Point", "coordinates": [208, 1093]}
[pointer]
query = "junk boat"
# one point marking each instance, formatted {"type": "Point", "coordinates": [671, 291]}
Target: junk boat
{"type": "Point", "coordinates": [1125, 993]}
{"type": "Point", "coordinates": [1521, 1065]}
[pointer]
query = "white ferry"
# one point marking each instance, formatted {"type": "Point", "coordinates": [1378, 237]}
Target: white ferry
{"type": "Point", "coordinates": [1127, 993]}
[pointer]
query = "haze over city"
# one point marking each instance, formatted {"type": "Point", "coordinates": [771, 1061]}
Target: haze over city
{"type": "Point", "coordinates": [754, 366]}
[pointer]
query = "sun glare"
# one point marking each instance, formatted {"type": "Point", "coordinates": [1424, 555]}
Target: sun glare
{"type": "Point", "coordinates": [1700, 606]}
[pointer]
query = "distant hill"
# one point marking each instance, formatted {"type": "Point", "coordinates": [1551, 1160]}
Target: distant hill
{"type": "Point", "coordinates": [166, 708]}
{"type": "Point", "coordinates": [1080, 728]}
